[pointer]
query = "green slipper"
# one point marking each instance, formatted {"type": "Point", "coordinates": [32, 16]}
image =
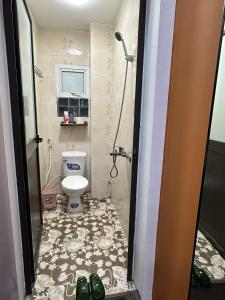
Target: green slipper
{"type": "Point", "coordinates": [194, 282]}
{"type": "Point", "coordinates": [97, 287]}
{"type": "Point", "coordinates": [83, 289]}
{"type": "Point", "coordinates": [201, 276]}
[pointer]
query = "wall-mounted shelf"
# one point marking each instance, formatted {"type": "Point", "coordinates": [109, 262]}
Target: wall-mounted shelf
{"type": "Point", "coordinates": [74, 124]}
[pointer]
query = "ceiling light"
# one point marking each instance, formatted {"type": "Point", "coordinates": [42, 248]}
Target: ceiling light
{"type": "Point", "coordinates": [77, 2]}
{"type": "Point", "coordinates": [74, 52]}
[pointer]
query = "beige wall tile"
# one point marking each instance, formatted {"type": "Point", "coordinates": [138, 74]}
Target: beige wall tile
{"type": "Point", "coordinates": [101, 106]}
{"type": "Point", "coordinates": [127, 24]}
{"type": "Point", "coordinates": [53, 49]}
{"type": "Point", "coordinates": [59, 42]}
{"type": "Point", "coordinates": [107, 79]}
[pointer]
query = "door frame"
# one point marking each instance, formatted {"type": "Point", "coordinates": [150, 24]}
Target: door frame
{"type": "Point", "coordinates": [136, 136]}
{"type": "Point", "coordinates": [207, 144]}
{"type": "Point", "coordinates": [185, 142]}
{"type": "Point", "coordinates": [12, 48]}
{"type": "Point", "coordinates": [17, 112]}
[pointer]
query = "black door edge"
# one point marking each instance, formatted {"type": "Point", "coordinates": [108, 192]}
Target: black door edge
{"type": "Point", "coordinates": [17, 112]}
{"type": "Point", "coordinates": [136, 134]}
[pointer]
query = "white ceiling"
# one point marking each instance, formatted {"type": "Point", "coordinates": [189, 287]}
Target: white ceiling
{"type": "Point", "coordinates": [62, 14]}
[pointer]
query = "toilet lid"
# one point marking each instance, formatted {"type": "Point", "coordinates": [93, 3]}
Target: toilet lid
{"type": "Point", "coordinates": [75, 182]}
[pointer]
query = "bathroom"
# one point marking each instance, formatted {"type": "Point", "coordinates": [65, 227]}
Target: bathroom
{"type": "Point", "coordinates": [85, 66]}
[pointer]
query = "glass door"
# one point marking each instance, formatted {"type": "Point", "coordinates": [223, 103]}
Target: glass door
{"type": "Point", "coordinates": [30, 124]}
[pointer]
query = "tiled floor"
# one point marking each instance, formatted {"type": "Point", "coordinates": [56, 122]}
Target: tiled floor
{"type": "Point", "coordinates": [71, 246]}
{"type": "Point", "coordinates": [209, 259]}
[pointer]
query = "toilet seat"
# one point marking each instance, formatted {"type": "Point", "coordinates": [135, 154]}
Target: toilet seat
{"type": "Point", "coordinates": [74, 183]}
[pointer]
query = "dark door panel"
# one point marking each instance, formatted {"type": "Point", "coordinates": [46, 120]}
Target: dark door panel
{"type": "Point", "coordinates": [212, 218]}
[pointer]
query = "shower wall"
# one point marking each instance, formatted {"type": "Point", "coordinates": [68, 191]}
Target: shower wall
{"type": "Point", "coordinates": [102, 125]}
{"type": "Point", "coordinates": [107, 78]}
{"type": "Point", "coordinates": [127, 24]}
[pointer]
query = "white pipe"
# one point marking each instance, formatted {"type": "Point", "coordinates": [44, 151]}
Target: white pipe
{"type": "Point", "coordinates": [50, 143]}
{"type": "Point", "coordinates": [47, 182]}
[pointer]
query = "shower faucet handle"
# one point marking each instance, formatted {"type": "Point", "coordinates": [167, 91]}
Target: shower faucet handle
{"type": "Point", "coordinates": [130, 58]}
{"type": "Point", "coordinates": [121, 150]}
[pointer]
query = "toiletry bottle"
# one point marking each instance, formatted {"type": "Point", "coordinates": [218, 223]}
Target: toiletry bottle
{"type": "Point", "coordinates": [71, 118]}
{"type": "Point", "coordinates": [66, 117]}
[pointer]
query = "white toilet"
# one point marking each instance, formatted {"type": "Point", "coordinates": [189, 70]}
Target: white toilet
{"type": "Point", "coordinates": [74, 183]}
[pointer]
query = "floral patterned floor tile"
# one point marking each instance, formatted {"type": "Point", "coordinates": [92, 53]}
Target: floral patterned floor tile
{"type": "Point", "coordinates": [74, 246]}
{"type": "Point", "coordinates": [209, 259]}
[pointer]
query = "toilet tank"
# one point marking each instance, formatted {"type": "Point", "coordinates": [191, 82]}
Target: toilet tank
{"type": "Point", "coordinates": [73, 163]}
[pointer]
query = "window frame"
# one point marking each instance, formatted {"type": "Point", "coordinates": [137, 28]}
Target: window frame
{"type": "Point", "coordinates": [72, 68]}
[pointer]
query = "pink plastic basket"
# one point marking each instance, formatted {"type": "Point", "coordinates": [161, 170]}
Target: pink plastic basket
{"type": "Point", "coordinates": [49, 198]}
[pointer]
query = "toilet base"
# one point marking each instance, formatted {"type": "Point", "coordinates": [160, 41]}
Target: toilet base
{"type": "Point", "coordinates": [74, 205]}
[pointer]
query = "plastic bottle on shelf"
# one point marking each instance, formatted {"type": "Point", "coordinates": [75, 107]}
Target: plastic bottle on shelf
{"type": "Point", "coordinates": [71, 118]}
{"type": "Point", "coordinates": [66, 117]}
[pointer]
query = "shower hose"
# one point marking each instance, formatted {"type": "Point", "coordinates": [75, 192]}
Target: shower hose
{"type": "Point", "coordinates": [114, 171]}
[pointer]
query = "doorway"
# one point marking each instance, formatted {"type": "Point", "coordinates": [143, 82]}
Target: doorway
{"type": "Point", "coordinates": [49, 60]}
{"type": "Point", "coordinates": [208, 272]}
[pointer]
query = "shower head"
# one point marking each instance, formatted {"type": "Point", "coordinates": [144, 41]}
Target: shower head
{"type": "Point", "coordinates": [119, 38]}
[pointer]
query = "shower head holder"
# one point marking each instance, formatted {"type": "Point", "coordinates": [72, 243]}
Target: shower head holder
{"type": "Point", "coordinates": [119, 37]}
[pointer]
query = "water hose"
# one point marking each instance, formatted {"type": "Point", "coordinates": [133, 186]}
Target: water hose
{"type": "Point", "coordinates": [114, 171]}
